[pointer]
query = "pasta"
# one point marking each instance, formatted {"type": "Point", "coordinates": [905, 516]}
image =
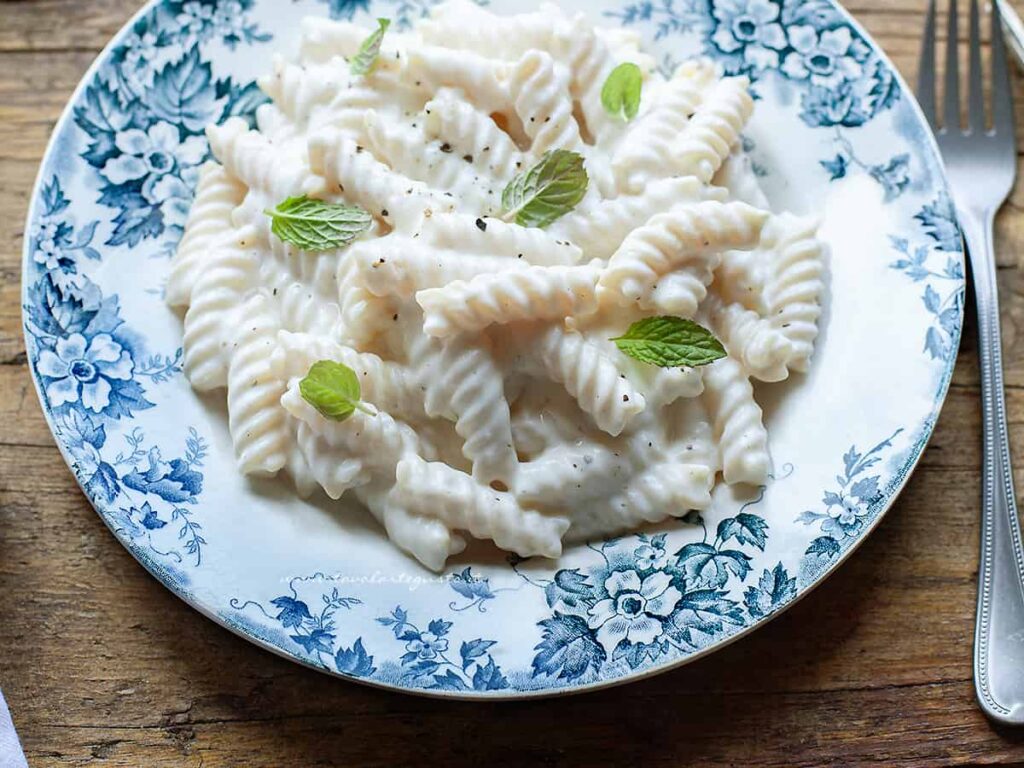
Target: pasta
{"type": "Point", "coordinates": [492, 400]}
{"type": "Point", "coordinates": [533, 293]}
{"type": "Point", "coordinates": [255, 417]}
{"type": "Point", "coordinates": [217, 195]}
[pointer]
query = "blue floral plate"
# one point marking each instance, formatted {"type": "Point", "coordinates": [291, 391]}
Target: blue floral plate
{"type": "Point", "coordinates": [836, 131]}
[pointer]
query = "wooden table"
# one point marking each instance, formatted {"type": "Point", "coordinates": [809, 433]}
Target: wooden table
{"type": "Point", "coordinates": [101, 665]}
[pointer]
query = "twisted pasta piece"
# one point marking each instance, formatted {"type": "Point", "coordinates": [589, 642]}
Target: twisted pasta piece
{"type": "Point", "coordinates": [740, 435]}
{"type": "Point", "coordinates": [378, 442]}
{"type": "Point", "coordinates": [325, 39]}
{"type": "Point", "coordinates": [250, 157]}
{"type": "Point", "coordinates": [739, 278]}
{"type": "Point", "coordinates": [432, 67]}
{"type": "Point", "coordinates": [714, 129]}
{"type": "Point", "coordinates": [665, 490]}
{"type": "Point", "coordinates": [662, 386]}
{"type": "Point", "coordinates": [394, 266]}
{"type": "Point", "coordinates": [364, 315]}
{"type": "Point", "coordinates": [362, 179]}
{"type": "Point", "coordinates": [437, 490]}
{"type": "Point", "coordinates": [689, 236]}
{"type": "Point", "coordinates": [690, 435]}
{"type": "Point", "coordinates": [674, 293]}
{"type": "Point", "coordinates": [426, 538]}
{"type": "Point", "coordinates": [600, 227]}
{"type": "Point", "coordinates": [302, 310]}
{"type": "Point", "coordinates": [624, 44]}
{"type": "Point", "coordinates": [474, 135]}
{"type": "Point", "coordinates": [592, 379]}
{"type": "Point", "coordinates": [495, 237]}
{"type": "Point", "coordinates": [572, 473]}
{"type": "Point", "coordinates": [276, 125]}
{"type": "Point", "coordinates": [389, 386]}
{"type": "Point", "coordinates": [346, 112]}
{"type": "Point", "coordinates": [587, 57]}
{"type": "Point", "coordinates": [493, 36]}
{"type": "Point", "coordinates": [462, 383]}
{"type": "Point", "coordinates": [333, 469]}
{"type": "Point", "coordinates": [408, 151]}
{"type": "Point", "coordinates": [738, 176]}
{"type": "Point", "coordinates": [229, 273]}
{"type": "Point", "coordinates": [540, 90]}
{"type": "Point", "coordinates": [543, 417]}
{"type": "Point", "coordinates": [258, 426]}
{"type": "Point", "coordinates": [216, 196]}
{"type": "Point", "coordinates": [794, 285]}
{"type": "Point", "coordinates": [648, 149]}
{"type": "Point", "coordinates": [298, 90]}
{"type": "Point", "coordinates": [531, 293]}
{"type": "Point", "coordinates": [295, 464]}
{"type": "Point", "coordinates": [763, 350]}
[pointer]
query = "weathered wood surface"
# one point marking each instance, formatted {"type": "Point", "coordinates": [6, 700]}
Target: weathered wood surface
{"type": "Point", "coordinates": [102, 666]}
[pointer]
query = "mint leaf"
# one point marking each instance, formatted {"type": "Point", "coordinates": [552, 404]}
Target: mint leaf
{"type": "Point", "coordinates": [366, 57]}
{"type": "Point", "coordinates": [315, 225]}
{"type": "Point", "coordinates": [333, 389]}
{"type": "Point", "coordinates": [547, 191]}
{"type": "Point", "coordinates": [620, 94]}
{"type": "Point", "coordinates": [670, 342]}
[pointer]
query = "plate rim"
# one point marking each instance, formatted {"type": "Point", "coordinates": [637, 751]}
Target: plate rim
{"type": "Point", "coordinates": [162, 575]}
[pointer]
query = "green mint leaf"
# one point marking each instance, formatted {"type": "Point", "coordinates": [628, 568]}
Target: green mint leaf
{"type": "Point", "coordinates": [620, 94]}
{"type": "Point", "coordinates": [333, 389]}
{"type": "Point", "coordinates": [670, 342]}
{"type": "Point", "coordinates": [366, 57]}
{"type": "Point", "coordinates": [315, 225]}
{"type": "Point", "coordinates": [547, 191]}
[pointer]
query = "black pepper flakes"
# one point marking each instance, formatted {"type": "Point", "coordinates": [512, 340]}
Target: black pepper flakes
{"type": "Point", "coordinates": [468, 158]}
{"type": "Point", "coordinates": [384, 213]}
{"type": "Point", "coordinates": [481, 225]}
{"type": "Point", "coordinates": [446, 147]}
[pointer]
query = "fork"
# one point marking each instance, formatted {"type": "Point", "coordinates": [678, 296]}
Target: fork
{"type": "Point", "coordinates": [981, 165]}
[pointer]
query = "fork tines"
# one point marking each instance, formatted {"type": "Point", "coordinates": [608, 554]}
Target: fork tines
{"type": "Point", "coordinates": [1002, 105]}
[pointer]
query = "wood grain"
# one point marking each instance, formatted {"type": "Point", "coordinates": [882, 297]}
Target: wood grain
{"type": "Point", "coordinates": [102, 666]}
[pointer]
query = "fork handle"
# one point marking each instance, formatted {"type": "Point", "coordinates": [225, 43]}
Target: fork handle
{"type": "Point", "coordinates": [999, 628]}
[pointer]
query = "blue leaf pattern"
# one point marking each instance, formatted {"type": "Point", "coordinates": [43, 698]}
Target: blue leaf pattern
{"type": "Point", "coordinates": [774, 589]}
{"type": "Point", "coordinates": [354, 661]}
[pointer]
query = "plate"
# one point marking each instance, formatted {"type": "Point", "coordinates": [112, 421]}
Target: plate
{"type": "Point", "coordinates": [835, 131]}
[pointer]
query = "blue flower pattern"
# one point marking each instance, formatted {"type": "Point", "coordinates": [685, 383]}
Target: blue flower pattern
{"type": "Point", "coordinates": [851, 505]}
{"type": "Point", "coordinates": [643, 602]}
{"type": "Point", "coordinates": [146, 110]}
